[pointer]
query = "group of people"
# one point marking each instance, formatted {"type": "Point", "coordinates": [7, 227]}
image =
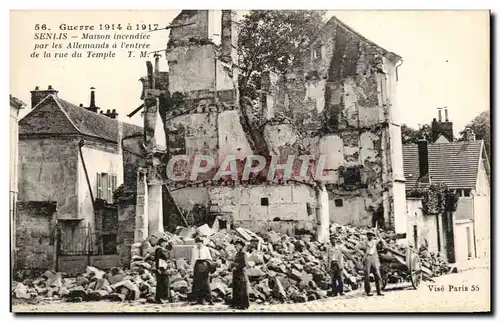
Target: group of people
{"type": "Point", "coordinates": [202, 265]}
{"type": "Point", "coordinates": [371, 262]}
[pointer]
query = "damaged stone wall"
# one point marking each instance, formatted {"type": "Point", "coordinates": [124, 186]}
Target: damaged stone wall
{"type": "Point", "coordinates": [260, 207]}
{"type": "Point", "coordinates": [341, 102]}
{"type": "Point", "coordinates": [35, 235]}
{"type": "Point", "coordinates": [44, 175]}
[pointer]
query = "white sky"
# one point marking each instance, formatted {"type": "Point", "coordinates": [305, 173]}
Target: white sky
{"type": "Point", "coordinates": [445, 53]}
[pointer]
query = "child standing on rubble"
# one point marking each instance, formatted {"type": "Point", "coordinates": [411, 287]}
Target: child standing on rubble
{"type": "Point", "coordinates": [201, 262]}
{"type": "Point", "coordinates": [162, 278]}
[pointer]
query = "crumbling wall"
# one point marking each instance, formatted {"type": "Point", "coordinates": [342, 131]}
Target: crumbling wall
{"type": "Point", "coordinates": [48, 172]}
{"type": "Point", "coordinates": [195, 25]}
{"type": "Point", "coordinates": [342, 106]}
{"type": "Point", "coordinates": [232, 138]}
{"type": "Point", "coordinates": [259, 207]}
{"type": "Point", "coordinates": [35, 235]}
{"type": "Point", "coordinates": [192, 134]}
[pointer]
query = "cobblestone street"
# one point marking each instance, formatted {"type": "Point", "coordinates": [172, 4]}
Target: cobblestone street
{"type": "Point", "coordinates": [471, 294]}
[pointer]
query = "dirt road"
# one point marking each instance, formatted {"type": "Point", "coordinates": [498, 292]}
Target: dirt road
{"type": "Point", "coordinates": [467, 291]}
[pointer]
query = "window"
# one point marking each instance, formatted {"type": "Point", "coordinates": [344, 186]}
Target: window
{"type": "Point", "coordinates": [264, 201]}
{"type": "Point", "coordinates": [106, 185]}
{"type": "Point", "coordinates": [466, 192]}
{"type": "Point", "coordinates": [109, 244]}
{"type": "Point", "coordinates": [316, 52]}
{"type": "Point", "coordinates": [352, 176]}
{"type": "Point", "coordinates": [339, 202]}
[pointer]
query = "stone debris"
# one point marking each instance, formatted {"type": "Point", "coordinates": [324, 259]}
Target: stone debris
{"type": "Point", "coordinates": [281, 268]}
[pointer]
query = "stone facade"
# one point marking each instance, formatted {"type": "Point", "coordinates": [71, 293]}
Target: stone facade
{"type": "Point", "coordinates": [77, 158]}
{"type": "Point", "coordinates": [340, 103]}
{"type": "Point", "coordinates": [35, 239]}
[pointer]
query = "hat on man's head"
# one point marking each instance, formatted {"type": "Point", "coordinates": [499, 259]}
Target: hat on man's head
{"type": "Point", "coordinates": [370, 232]}
{"type": "Point", "coordinates": [161, 240]}
{"type": "Point", "coordinates": [241, 242]}
{"type": "Point", "coordinates": [198, 240]}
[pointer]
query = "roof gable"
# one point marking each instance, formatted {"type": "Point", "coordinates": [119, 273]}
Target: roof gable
{"type": "Point", "coordinates": [54, 115]}
{"type": "Point", "coordinates": [334, 21]}
{"type": "Point", "coordinates": [47, 118]}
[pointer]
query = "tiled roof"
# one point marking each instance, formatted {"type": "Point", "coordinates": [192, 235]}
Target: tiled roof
{"type": "Point", "coordinates": [411, 165]}
{"type": "Point", "coordinates": [96, 125]}
{"type": "Point", "coordinates": [455, 163]}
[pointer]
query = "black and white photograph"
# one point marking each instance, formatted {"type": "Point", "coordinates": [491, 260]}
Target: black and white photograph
{"type": "Point", "coordinates": [250, 161]}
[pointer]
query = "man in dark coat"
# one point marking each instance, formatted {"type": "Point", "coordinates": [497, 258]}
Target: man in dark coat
{"type": "Point", "coordinates": [162, 279]}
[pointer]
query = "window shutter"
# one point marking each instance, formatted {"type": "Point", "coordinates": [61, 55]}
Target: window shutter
{"type": "Point", "coordinates": [110, 189]}
{"type": "Point", "coordinates": [113, 186]}
{"type": "Point", "coordinates": [99, 186]}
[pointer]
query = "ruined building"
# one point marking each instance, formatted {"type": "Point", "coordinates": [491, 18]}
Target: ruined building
{"type": "Point", "coordinates": [340, 103]}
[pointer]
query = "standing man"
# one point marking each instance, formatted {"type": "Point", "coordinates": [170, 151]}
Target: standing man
{"type": "Point", "coordinates": [201, 262]}
{"type": "Point", "coordinates": [162, 255]}
{"type": "Point", "coordinates": [335, 264]}
{"type": "Point", "coordinates": [371, 260]}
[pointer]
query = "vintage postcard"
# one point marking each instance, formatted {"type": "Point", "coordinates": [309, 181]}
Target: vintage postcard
{"type": "Point", "coordinates": [250, 161]}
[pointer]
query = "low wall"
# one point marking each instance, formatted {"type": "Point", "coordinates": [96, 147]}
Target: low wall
{"type": "Point", "coordinates": [35, 237]}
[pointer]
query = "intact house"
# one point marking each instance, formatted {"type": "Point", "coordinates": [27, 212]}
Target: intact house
{"type": "Point", "coordinates": [463, 167]}
{"type": "Point", "coordinates": [72, 159]}
{"type": "Point", "coordinates": [340, 103]}
{"type": "Point", "coordinates": [15, 106]}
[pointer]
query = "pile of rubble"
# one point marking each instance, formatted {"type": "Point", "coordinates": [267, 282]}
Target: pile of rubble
{"type": "Point", "coordinates": [281, 269]}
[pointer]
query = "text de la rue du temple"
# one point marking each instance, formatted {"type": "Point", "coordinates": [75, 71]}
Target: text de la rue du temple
{"type": "Point", "coordinates": [98, 41]}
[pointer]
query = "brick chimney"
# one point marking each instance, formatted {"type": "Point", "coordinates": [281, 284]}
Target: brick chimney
{"type": "Point", "coordinates": [441, 127]}
{"type": "Point", "coordinates": [423, 158]}
{"type": "Point", "coordinates": [92, 107]}
{"type": "Point", "coordinates": [111, 114]}
{"type": "Point", "coordinates": [37, 95]}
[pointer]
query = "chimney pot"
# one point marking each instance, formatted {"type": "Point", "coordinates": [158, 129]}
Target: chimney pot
{"type": "Point", "coordinates": [423, 158]}
{"type": "Point", "coordinates": [114, 110]}
{"type": "Point", "coordinates": [37, 88]}
{"type": "Point", "coordinates": [446, 114]}
{"type": "Point", "coordinates": [81, 105]}
{"type": "Point", "coordinates": [108, 111]}
{"type": "Point", "coordinates": [440, 118]}
{"type": "Point", "coordinates": [50, 87]}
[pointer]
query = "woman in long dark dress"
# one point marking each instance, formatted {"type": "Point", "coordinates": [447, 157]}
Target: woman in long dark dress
{"type": "Point", "coordinates": [240, 278]}
{"type": "Point", "coordinates": [162, 279]}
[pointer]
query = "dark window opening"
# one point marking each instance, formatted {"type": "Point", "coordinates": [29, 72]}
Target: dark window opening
{"type": "Point", "coordinates": [352, 176]}
{"type": "Point", "coordinates": [222, 224]}
{"type": "Point", "coordinates": [264, 201]}
{"type": "Point", "coordinates": [339, 203]}
{"type": "Point", "coordinates": [109, 244]}
{"type": "Point", "coordinates": [466, 192]}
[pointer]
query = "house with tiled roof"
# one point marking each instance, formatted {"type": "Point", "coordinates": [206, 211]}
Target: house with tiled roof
{"type": "Point", "coordinates": [77, 157]}
{"type": "Point", "coordinates": [463, 166]}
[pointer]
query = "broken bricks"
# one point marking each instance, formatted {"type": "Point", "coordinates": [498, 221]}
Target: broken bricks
{"type": "Point", "coordinates": [285, 269]}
